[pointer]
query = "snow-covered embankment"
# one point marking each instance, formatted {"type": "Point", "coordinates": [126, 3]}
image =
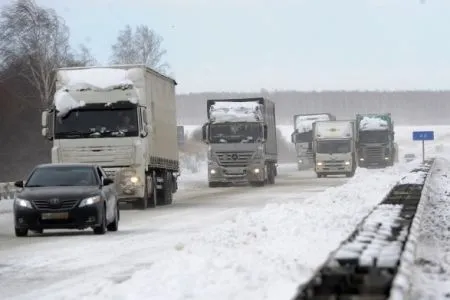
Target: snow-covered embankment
{"type": "Point", "coordinates": [265, 254]}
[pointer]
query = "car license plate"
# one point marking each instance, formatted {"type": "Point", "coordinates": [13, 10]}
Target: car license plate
{"type": "Point", "coordinates": [55, 216]}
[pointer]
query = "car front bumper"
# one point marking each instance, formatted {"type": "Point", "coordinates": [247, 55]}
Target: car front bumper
{"type": "Point", "coordinates": [76, 218]}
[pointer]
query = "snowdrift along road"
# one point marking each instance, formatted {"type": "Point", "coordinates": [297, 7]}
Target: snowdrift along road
{"type": "Point", "coordinates": [209, 243]}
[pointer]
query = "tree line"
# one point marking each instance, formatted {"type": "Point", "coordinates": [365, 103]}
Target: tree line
{"type": "Point", "coordinates": [34, 41]}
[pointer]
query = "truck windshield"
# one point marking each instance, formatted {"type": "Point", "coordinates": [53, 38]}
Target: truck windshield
{"type": "Point", "coordinates": [304, 137]}
{"type": "Point", "coordinates": [376, 136]}
{"type": "Point", "coordinates": [95, 123]}
{"type": "Point", "coordinates": [333, 146]}
{"type": "Point", "coordinates": [236, 133]}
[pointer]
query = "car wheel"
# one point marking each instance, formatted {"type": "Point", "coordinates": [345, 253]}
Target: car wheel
{"type": "Point", "coordinates": [102, 228]}
{"type": "Point", "coordinates": [114, 226]}
{"type": "Point", "coordinates": [39, 231]}
{"type": "Point", "coordinates": [20, 232]}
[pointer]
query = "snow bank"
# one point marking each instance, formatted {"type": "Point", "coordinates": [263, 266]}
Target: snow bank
{"type": "Point", "coordinates": [259, 255]}
{"type": "Point", "coordinates": [373, 123]}
{"type": "Point", "coordinates": [6, 206]}
{"type": "Point", "coordinates": [304, 123]}
{"type": "Point", "coordinates": [430, 270]}
{"type": "Point", "coordinates": [236, 111]}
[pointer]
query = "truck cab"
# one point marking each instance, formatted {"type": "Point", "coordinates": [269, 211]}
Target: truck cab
{"type": "Point", "coordinates": [241, 139]}
{"type": "Point", "coordinates": [334, 148]}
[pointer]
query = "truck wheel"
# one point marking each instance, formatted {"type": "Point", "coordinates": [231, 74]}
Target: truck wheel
{"type": "Point", "coordinates": [257, 183]}
{"type": "Point", "coordinates": [349, 174]}
{"type": "Point", "coordinates": [213, 184]}
{"type": "Point", "coordinates": [271, 175]}
{"type": "Point", "coordinates": [165, 196]}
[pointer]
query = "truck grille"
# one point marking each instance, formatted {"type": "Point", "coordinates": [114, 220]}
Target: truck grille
{"type": "Point", "coordinates": [102, 155]}
{"type": "Point", "coordinates": [374, 154]}
{"type": "Point", "coordinates": [333, 163]}
{"type": "Point", "coordinates": [46, 205]}
{"type": "Point", "coordinates": [234, 159]}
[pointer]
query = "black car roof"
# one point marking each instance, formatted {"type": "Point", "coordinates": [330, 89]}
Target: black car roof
{"type": "Point", "coordinates": [57, 165]}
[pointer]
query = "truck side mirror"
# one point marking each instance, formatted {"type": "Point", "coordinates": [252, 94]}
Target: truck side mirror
{"type": "Point", "coordinates": [45, 132]}
{"type": "Point", "coordinates": [44, 120]}
{"type": "Point", "coordinates": [205, 128]}
{"type": "Point", "coordinates": [265, 132]}
{"type": "Point", "coordinates": [293, 138]}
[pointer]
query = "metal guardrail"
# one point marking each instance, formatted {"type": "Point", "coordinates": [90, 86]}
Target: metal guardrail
{"type": "Point", "coordinates": [7, 190]}
{"type": "Point", "coordinates": [373, 262]}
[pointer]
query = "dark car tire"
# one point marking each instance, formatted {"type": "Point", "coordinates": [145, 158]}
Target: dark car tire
{"type": "Point", "coordinates": [114, 226]}
{"type": "Point", "coordinates": [38, 231]}
{"type": "Point", "coordinates": [21, 232]}
{"type": "Point", "coordinates": [102, 228]}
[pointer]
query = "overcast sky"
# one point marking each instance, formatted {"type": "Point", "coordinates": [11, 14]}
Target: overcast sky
{"type": "Point", "coordinates": [246, 45]}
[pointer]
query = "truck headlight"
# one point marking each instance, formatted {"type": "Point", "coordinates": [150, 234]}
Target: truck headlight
{"type": "Point", "coordinates": [386, 158]}
{"type": "Point", "coordinates": [134, 179]}
{"type": "Point", "coordinates": [347, 163]}
{"type": "Point", "coordinates": [23, 203]}
{"type": "Point", "coordinates": [300, 161]}
{"type": "Point", "coordinates": [256, 170]}
{"type": "Point", "coordinates": [319, 163]}
{"type": "Point", "coordinates": [212, 172]}
{"type": "Point", "coordinates": [90, 201]}
{"type": "Point", "coordinates": [361, 159]}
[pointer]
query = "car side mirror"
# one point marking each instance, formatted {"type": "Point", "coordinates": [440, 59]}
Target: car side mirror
{"type": "Point", "coordinates": [107, 181]}
{"type": "Point", "coordinates": [19, 184]}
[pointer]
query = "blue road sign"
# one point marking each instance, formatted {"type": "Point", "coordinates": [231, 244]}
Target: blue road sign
{"type": "Point", "coordinates": [423, 135]}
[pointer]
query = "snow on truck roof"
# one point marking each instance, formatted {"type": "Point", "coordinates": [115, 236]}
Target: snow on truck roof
{"type": "Point", "coordinates": [304, 123]}
{"type": "Point", "coordinates": [334, 129]}
{"type": "Point", "coordinates": [228, 111]}
{"type": "Point", "coordinates": [75, 80]}
{"type": "Point", "coordinates": [373, 123]}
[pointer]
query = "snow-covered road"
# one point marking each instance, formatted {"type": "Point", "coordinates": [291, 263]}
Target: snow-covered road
{"type": "Point", "coordinates": [211, 244]}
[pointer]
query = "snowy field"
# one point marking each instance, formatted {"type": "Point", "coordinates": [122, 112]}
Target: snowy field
{"type": "Point", "coordinates": [225, 243]}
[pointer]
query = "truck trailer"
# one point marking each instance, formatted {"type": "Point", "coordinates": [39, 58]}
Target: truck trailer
{"type": "Point", "coordinates": [334, 146]}
{"type": "Point", "coordinates": [302, 137]}
{"type": "Point", "coordinates": [122, 118]}
{"type": "Point", "coordinates": [242, 139]}
{"type": "Point", "coordinates": [376, 145]}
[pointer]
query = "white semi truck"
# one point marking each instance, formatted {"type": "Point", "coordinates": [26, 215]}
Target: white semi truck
{"type": "Point", "coordinates": [122, 118]}
{"type": "Point", "coordinates": [334, 146]}
{"type": "Point", "coordinates": [302, 137]}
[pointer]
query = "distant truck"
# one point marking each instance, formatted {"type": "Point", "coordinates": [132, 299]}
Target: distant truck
{"type": "Point", "coordinates": [376, 145]}
{"type": "Point", "coordinates": [122, 118]}
{"type": "Point", "coordinates": [242, 139]}
{"type": "Point", "coordinates": [334, 146]}
{"type": "Point", "coordinates": [302, 137]}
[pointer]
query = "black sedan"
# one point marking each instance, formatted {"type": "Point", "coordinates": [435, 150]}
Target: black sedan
{"type": "Point", "coordinates": [66, 196]}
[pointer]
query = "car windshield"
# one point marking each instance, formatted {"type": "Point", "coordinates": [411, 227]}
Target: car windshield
{"type": "Point", "coordinates": [96, 123]}
{"type": "Point", "coordinates": [62, 176]}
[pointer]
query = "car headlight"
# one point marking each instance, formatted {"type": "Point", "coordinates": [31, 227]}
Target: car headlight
{"type": "Point", "coordinates": [90, 201]}
{"type": "Point", "coordinates": [23, 203]}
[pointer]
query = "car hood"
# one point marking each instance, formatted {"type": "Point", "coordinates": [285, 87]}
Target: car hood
{"type": "Point", "coordinates": [61, 192]}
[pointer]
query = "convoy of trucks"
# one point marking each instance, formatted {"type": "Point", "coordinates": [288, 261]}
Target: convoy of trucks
{"type": "Point", "coordinates": [242, 139]}
{"type": "Point", "coordinates": [122, 118]}
{"type": "Point", "coordinates": [376, 144]}
{"type": "Point", "coordinates": [302, 137]}
{"type": "Point", "coordinates": [334, 147]}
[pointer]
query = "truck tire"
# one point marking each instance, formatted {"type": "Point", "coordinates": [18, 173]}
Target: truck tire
{"type": "Point", "coordinates": [271, 174]}
{"type": "Point", "coordinates": [213, 184]}
{"type": "Point", "coordinates": [165, 196]}
{"type": "Point", "coordinates": [257, 183]}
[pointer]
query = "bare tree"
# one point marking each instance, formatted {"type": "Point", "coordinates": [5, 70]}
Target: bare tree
{"type": "Point", "coordinates": [81, 58]}
{"type": "Point", "coordinates": [37, 38]}
{"type": "Point", "coordinates": [140, 47]}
